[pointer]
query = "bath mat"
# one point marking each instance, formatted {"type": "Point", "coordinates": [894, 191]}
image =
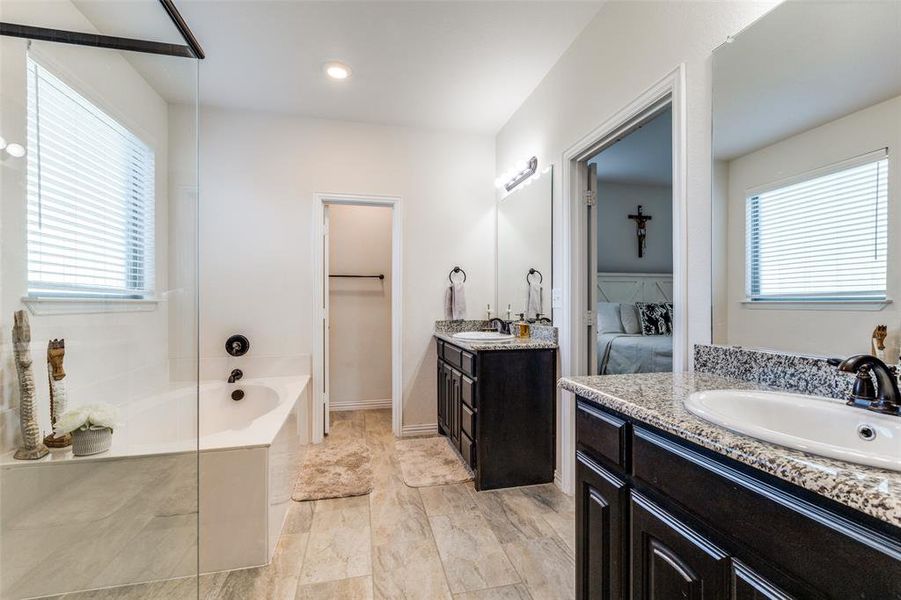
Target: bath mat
{"type": "Point", "coordinates": [430, 461]}
{"type": "Point", "coordinates": [334, 470]}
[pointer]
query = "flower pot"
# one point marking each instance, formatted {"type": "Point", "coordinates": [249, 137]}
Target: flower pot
{"type": "Point", "coordinates": [92, 440]}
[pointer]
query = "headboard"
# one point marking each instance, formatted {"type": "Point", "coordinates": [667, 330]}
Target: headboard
{"type": "Point", "coordinates": [629, 288]}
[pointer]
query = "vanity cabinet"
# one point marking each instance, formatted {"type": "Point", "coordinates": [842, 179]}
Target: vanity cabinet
{"type": "Point", "coordinates": [658, 517]}
{"type": "Point", "coordinates": [497, 409]}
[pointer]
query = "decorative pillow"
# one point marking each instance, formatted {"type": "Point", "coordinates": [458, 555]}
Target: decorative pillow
{"type": "Point", "coordinates": [654, 317]}
{"type": "Point", "coordinates": [669, 312]}
{"type": "Point", "coordinates": [629, 316]}
{"type": "Point", "coordinates": [608, 318]}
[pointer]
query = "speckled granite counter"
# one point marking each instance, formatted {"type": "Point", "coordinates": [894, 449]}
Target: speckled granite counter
{"type": "Point", "coordinates": [657, 399]}
{"type": "Point", "coordinates": [514, 344]}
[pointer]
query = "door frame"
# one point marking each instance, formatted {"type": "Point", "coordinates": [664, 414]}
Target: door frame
{"type": "Point", "coordinates": [320, 400]}
{"type": "Point", "coordinates": [574, 355]}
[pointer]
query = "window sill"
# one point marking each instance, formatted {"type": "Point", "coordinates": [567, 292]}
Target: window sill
{"type": "Point", "coordinates": [847, 305]}
{"type": "Point", "coordinates": [51, 305]}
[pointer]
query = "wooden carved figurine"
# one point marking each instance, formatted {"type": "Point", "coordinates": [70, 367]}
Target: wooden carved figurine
{"type": "Point", "coordinates": [31, 448]}
{"type": "Point", "coordinates": [56, 352]}
{"type": "Point", "coordinates": [879, 335]}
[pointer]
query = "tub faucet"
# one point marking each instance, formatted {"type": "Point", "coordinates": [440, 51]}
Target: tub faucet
{"type": "Point", "coordinates": [236, 374]}
{"type": "Point", "coordinates": [885, 397]}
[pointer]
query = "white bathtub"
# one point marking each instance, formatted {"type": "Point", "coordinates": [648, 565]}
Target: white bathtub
{"type": "Point", "coordinates": [136, 505]}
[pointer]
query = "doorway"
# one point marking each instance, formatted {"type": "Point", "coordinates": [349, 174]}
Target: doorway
{"type": "Point", "coordinates": [356, 314]}
{"type": "Point", "coordinates": [578, 315]}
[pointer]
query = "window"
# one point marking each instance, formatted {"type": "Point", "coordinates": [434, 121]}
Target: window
{"type": "Point", "coordinates": [822, 236]}
{"type": "Point", "coordinates": [90, 198]}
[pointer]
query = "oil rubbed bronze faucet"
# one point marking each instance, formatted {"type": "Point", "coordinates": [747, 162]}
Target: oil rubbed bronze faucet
{"type": "Point", "coordinates": [236, 374]}
{"type": "Point", "coordinates": [884, 397]}
{"type": "Point", "coordinates": [499, 325]}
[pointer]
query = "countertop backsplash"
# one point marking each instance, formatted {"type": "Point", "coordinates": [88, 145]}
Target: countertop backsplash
{"type": "Point", "coordinates": [790, 372]}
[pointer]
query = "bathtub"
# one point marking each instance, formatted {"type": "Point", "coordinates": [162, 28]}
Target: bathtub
{"type": "Point", "coordinates": [131, 514]}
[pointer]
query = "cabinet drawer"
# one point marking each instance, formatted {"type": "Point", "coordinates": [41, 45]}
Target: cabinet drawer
{"type": "Point", "coordinates": [468, 363]}
{"type": "Point", "coordinates": [468, 450]}
{"type": "Point", "coordinates": [468, 421]}
{"type": "Point", "coordinates": [468, 391]}
{"type": "Point", "coordinates": [602, 434]}
{"type": "Point", "coordinates": [452, 355]}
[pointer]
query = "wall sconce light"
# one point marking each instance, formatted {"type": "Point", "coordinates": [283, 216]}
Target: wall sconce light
{"type": "Point", "coordinates": [524, 174]}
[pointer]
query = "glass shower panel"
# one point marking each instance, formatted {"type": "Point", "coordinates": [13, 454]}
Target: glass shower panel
{"type": "Point", "coordinates": [98, 309]}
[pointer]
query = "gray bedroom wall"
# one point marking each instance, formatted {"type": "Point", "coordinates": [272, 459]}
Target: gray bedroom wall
{"type": "Point", "coordinates": [617, 242]}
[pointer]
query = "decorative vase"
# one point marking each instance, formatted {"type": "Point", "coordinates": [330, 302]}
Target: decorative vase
{"type": "Point", "coordinates": [92, 440]}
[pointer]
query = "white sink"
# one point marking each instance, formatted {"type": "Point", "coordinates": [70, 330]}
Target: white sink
{"type": "Point", "coordinates": [823, 426]}
{"type": "Point", "coordinates": [483, 336]}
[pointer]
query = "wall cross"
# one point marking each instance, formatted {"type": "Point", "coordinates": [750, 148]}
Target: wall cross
{"type": "Point", "coordinates": [641, 221]}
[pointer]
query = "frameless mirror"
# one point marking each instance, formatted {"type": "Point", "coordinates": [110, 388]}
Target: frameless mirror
{"type": "Point", "coordinates": [806, 136]}
{"type": "Point", "coordinates": [524, 249]}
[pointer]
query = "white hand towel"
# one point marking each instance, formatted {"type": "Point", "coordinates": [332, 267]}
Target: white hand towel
{"type": "Point", "coordinates": [459, 301]}
{"type": "Point", "coordinates": [449, 303]}
{"type": "Point", "coordinates": [534, 304]}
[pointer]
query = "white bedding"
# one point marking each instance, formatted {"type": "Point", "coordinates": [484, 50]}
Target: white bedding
{"type": "Point", "coordinates": [634, 353]}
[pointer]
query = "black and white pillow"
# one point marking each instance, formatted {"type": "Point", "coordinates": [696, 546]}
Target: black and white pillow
{"type": "Point", "coordinates": [655, 318]}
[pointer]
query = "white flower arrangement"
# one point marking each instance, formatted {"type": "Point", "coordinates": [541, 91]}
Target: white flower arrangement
{"type": "Point", "coordinates": [87, 416]}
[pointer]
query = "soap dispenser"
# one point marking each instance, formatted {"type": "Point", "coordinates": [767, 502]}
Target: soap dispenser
{"type": "Point", "coordinates": [521, 327]}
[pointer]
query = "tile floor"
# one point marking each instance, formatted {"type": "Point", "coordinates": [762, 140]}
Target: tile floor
{"type": "Point", "coordinates": [401, 542]}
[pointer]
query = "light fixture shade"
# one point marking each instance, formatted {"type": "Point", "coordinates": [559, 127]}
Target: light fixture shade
{"type": "Point", "coordinates": [15, 150]}
{"type": "Point", "coordinates": [337, 70]}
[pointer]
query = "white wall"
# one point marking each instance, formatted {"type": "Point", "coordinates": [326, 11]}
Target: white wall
{"type": "Point", "coordinates": [111, 357]}
{"type": "Point", "coordinates": [823, 332]}
{"type": "Point", "coordinates": [359, 309]}
{"type": "Point", "coordinates": [624, 50]}
{"type": "Point", "coordinates": [259, 175]}
{"type": "Point", "coordinates": [617, 240]}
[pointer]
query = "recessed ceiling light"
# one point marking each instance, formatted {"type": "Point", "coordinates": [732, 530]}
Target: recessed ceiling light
{"type": "Point", "coordinates": [337, 70]}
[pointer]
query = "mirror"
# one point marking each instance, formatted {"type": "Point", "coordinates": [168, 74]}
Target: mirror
{"type": "Point", "coordinates": [524, 245]}
{"type": "Point", "coordinates": [806, 186]}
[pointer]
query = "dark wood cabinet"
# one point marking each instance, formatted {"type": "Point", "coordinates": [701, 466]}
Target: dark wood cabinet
{"type": "Point", "coordinates": [658, 517]}
{"type": "Point", "coordinates": [601, 524]}
{"type": "Point", "coordinates": [498, 410]}
{"type": "Point", "coordinates": [670, 560]}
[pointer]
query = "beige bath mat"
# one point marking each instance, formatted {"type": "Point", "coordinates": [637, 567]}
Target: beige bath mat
{"type": "Point", "coordinates": [334, 470]}
{"type": "Point", "coordinates": [430, 461]}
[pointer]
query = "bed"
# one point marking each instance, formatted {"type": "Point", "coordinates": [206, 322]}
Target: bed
{"type": "Point", "coordinates": [621, 345]}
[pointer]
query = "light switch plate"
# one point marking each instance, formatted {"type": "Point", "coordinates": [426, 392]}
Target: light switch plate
{"type": "Point", "coordinates": [556, 298]}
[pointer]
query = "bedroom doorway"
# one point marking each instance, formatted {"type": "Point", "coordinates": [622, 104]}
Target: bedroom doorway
{"type": "Point", "coordinates": [630, 248]}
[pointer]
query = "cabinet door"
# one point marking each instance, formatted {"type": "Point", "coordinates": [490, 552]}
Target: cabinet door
{"type": "Point", "coordinates": [442, 399]}
{"type": "Point", "coordinates": [670, 560]}
{"type": "Point", "coordinates": [454, 408]}
{"type": "Point", "coordinates": [601, 504]}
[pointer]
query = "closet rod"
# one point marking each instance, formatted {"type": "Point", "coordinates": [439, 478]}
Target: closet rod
{"type": "Point", "coordinates": [379, 276]}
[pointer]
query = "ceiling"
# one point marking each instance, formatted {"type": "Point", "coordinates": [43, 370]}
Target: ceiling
{"type": "Point", "coordinates": [643, 157]}
{"type": "Point", "coordinates": [800, 66]}
{"type": "Point", "coordinates": [463, 65]}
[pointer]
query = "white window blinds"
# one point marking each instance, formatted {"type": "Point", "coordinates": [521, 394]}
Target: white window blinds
{"type": "Point", "coordinates": [90, 197]}
{"type": "Point", "coordinates": [821, 236]}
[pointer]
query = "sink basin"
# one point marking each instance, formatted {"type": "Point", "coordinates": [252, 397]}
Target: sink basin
{"type": "Point", "coordinates": [483, 336]}
{"type": "Point", "coordinates": [823, 426]}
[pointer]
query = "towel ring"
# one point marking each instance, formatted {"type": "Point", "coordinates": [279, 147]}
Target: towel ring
{"type": "Point", "coordinates": [456, 270]}
{"type": "Point", "coordinates": [534, 272]}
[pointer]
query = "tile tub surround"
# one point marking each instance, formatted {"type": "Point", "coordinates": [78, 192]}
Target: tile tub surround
{"type": "Point", "coordinates": [790, 372]}
{"type": "Point", "coordinates": [658, 400]}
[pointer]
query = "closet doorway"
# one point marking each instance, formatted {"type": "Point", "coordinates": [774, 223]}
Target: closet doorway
{"type": "Point", "coordinates": [357, 314]}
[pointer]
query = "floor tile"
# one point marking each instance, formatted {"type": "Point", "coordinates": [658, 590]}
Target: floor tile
{"type": "Point", "coordinates": [357, 588]}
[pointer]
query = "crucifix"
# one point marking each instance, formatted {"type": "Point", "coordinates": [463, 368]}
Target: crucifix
{"type": "Point", "coordinates": [641, 221]}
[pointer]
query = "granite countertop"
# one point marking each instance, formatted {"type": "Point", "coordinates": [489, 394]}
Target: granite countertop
{"type": "Point", "coordinates": [658, 400]}
{"type": "Point", "coordinates": [514, 344]}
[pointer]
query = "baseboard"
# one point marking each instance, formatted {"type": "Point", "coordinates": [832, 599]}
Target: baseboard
{"type": "Point", "coordinates": [426, 429]}
{"type": "Point", "coordinates": [359, 404]}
